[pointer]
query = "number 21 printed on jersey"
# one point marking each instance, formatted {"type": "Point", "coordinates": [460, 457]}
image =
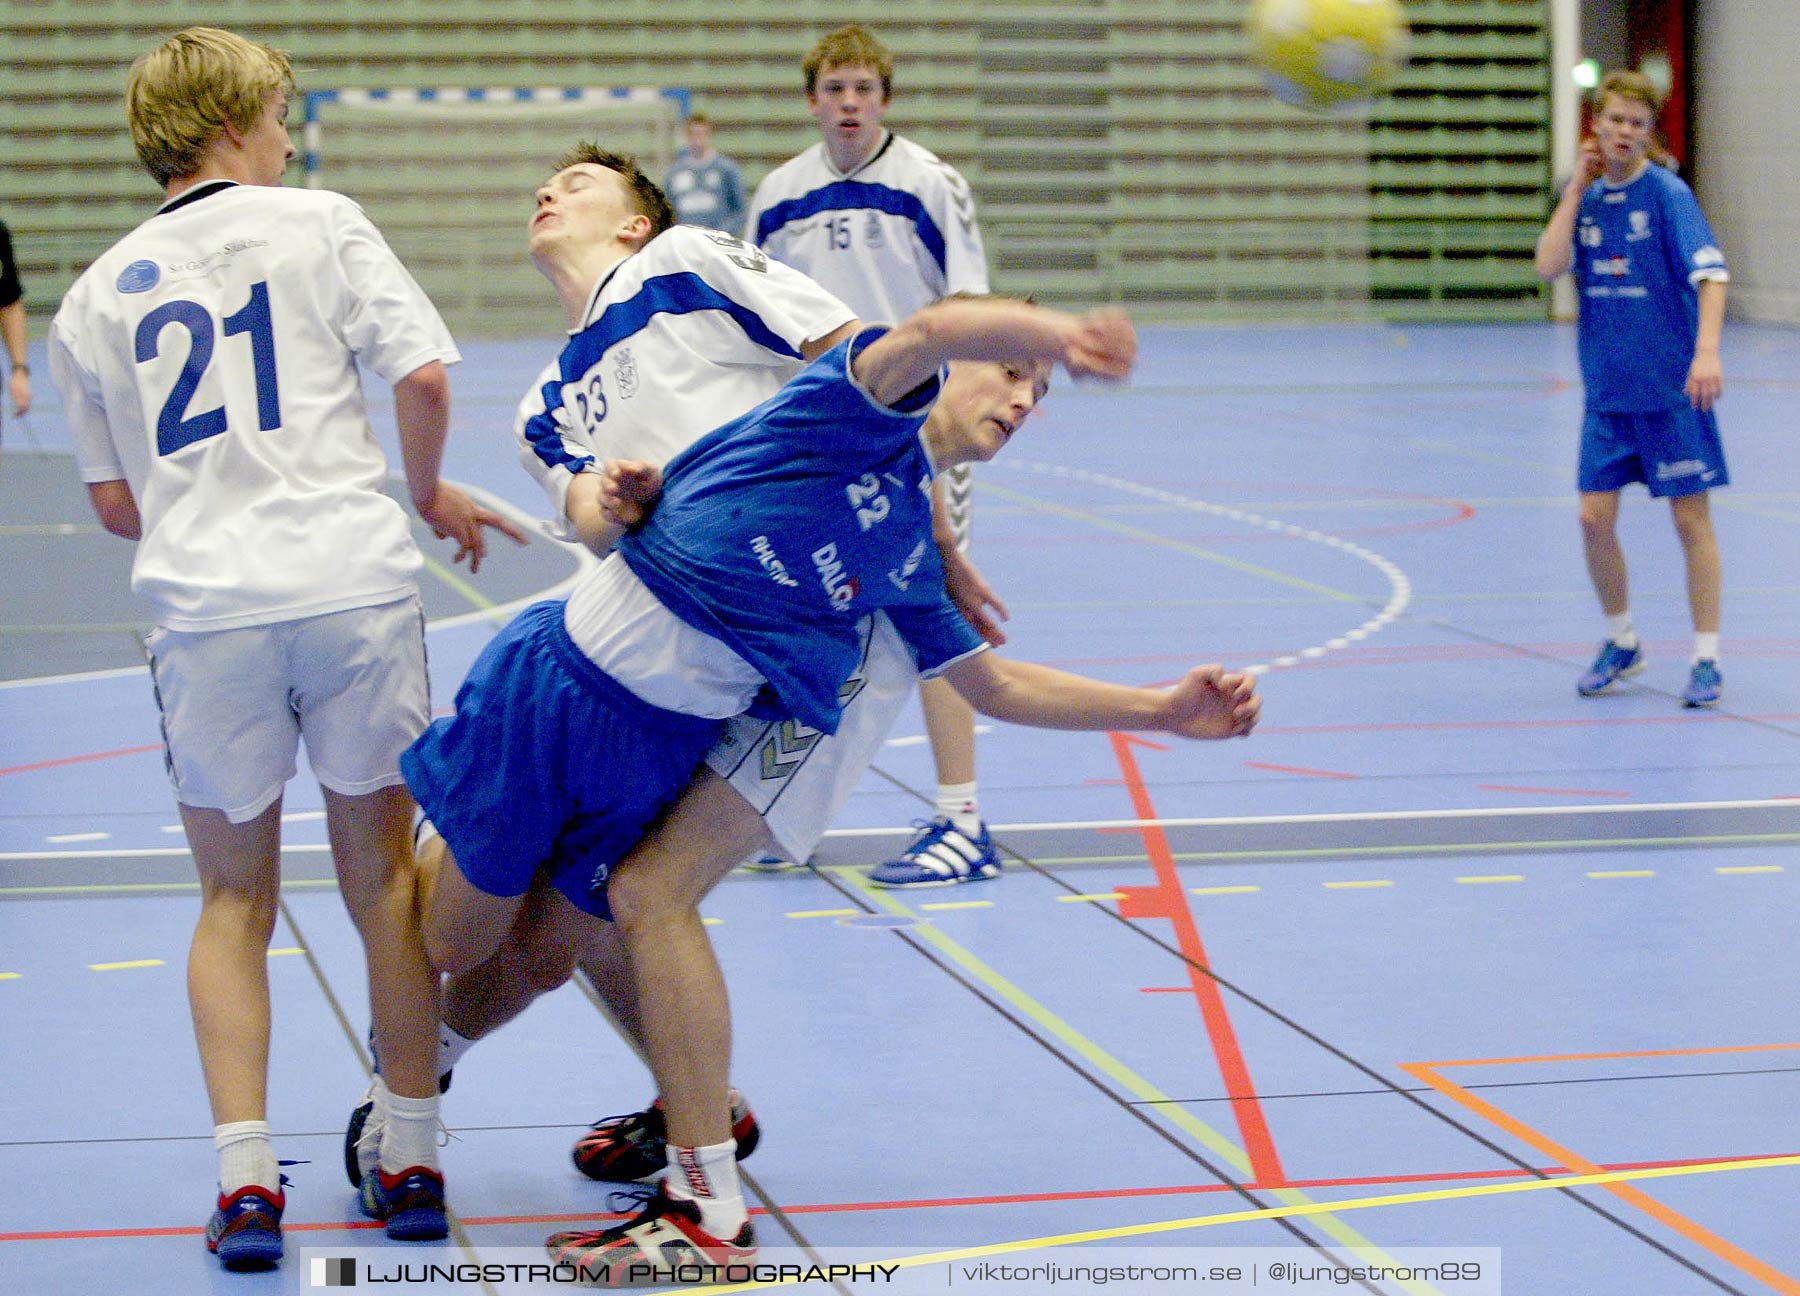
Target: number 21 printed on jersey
{"type": "Point", "coordinates": [175, 428]}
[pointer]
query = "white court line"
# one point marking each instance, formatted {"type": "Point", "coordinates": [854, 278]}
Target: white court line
{"type": "Point", "coordinates": [498, 612]}
{"type": "Point", "coordinates": [1399, 584]}
{"type": "Point", "coordinates": [844, 834]}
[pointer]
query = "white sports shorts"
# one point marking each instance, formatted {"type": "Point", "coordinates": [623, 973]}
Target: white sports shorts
{"type": "Point", "coordinates": [236, 703]}
{"type": "Point", "coordinates": [798, 778]}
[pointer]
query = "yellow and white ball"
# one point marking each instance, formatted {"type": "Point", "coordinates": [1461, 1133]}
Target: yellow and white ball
{"type": "Point", "coordinates": [1324, 54]}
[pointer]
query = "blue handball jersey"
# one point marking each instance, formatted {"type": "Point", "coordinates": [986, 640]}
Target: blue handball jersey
{"type": "Point", "coordinates": [1640, 250]}
{"type": "Point", "coordinates": [777, 532]}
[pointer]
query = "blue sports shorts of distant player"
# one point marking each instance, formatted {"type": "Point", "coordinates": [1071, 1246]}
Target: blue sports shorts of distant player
{"type": "Point", "coordinates": [549, 763]}
{"type": "Point", "coordinates": [1673, 452]}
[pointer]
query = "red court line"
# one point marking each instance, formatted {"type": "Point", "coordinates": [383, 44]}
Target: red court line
{"type": "Point", "coordinates": [1166, 899]}
{"type": "Point", "coordinates": [77, 760]}
{"type": "Point", "coordinates": [926, 1203]}
{"type": "Point", "coordinates": [1296, 769]}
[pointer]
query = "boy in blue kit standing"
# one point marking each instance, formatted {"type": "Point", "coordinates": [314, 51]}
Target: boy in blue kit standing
{"type": "Point", "coordinates": [773, 536]}
{"type": "Point", "coordinates": [1652, 285]}
{"type": "Point", "coordinates": [705, 187]}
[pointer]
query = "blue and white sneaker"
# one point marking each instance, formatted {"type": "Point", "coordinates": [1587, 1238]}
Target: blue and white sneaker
{"type": "Point", "coordinates": [941, 855]}
{"type": "Point", "coordinates": [410, 1204]}
{"type": "Point", "coordinates": [768, 863]}
{"type": "Point", "coordinates": [245, 1229]}
{"type": "Point", "coordinates": [1704, 684]}
{"type": "Point", "coordinates": [1612, 665]}
{"type": "Point", "coordinates": [362, 1134]}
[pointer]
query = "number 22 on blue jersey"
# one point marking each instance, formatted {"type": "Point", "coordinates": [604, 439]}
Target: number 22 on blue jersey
{"type": "Point", "coordinates": [175, 428]}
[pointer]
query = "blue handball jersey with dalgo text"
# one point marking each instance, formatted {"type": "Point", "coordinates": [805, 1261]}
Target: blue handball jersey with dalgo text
{"type": "Point", "coordinates": [778, 531]}
{"type": "Point", "coordinates": [1640, 250]}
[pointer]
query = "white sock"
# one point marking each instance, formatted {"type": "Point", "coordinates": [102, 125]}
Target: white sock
{"type": "Point", "coordinates": [1618, 629]}
{"type": "Point", "coordinates": [957, 803]}
{"type": "Point", "coordinates": [1706, 646]}
{"type": "Point", "coordinates": [451, 1047]}
{"type": "Point", "coordinates": [246, 1157]}
{"type": "Point", "coordinates": [708, 1177]}
{"type": "Point", "coordinates": [410, 1136]}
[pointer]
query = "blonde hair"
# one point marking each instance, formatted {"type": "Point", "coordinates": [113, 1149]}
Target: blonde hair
{"type": "Point", "coordinates": [183, 93]}
{"type": "Point", "coordinates": [849, 46]}
{"type": "Point", "coordinates": [1629, 85]}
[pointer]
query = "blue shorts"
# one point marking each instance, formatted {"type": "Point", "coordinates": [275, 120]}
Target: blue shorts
{"type": "Point", "coordinates": [1673, 452]}
{"type": "Point", "coordinates": [549, 763]}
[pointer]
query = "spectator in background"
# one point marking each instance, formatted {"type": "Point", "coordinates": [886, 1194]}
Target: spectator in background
{"type": "Point", "coordinates": [12, 325]}
{"type": "Point", "coordinates": [705, 187]}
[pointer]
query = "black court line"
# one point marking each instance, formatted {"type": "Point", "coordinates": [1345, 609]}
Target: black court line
{"type": "Point", "coordinates": [1248, 1194]}
{"type": "Point", "coordinates": [1497, 1084]}
{"type": "Point", "coordinates": [1312, 1037]}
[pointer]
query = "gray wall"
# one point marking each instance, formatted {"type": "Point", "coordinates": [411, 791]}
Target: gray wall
{"type": "Point", "coordinates": [1747, 149]}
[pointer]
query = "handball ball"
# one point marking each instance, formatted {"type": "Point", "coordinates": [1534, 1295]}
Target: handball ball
{"type": "Point", "coordinates": [1322, 54]}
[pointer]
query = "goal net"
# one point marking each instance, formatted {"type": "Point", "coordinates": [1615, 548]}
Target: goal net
{"type": "Point", "coordinates": [447, 176]}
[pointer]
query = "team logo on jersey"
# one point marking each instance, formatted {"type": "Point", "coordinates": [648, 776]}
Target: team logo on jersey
{"type": "Point", "coordinates": [765, 554]}
{"type": "Point", "coordinates": [902, 575]}
{"type": "Point", "coordinates": [740, 252]}
{"type": "Point", "coordinates": [840, 585]}
{"type": "Point", "coordinates": [872, 229]}
{"type": "Point", "coordinates": [139, 276]}
{"type": "Point", "coordinates": [1616, 267]}
{"type": "Point", "coordinates": [625, 374]}
{"type": "Point", "coordinates": [1640, 227]}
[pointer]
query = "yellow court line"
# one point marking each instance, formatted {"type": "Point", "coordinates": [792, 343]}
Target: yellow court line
{"type": "Point", "coordinates": [1495, 877]}
{"type": "Point", "coordinates": [1097, 896]}
{"type": "Point", "coordinates": [1128, 1080]}
{"type": "Point", "coordinates": [1752, 868]}
{"type": "Point", "coordinates": [823, 913]}
{"type": "Point", "coordinates": [960, 904]}
{"type": "Point", "coordinates": [291, 949]}
{"type": "Point", "coordinates": [9, 976]}
{"type": "Point", "coordinates": [475, 597]}
{"type": "Point", "coordinates": [1358, 886]}
{"type": "Point", "coordinates": [1624, 873]}
{"type": "Point", "coordinates": [711, 922]}
{"type": "Point", "coordinates": [134, 963]}
{"type": "Point", "coordinates": [1306, 1209]}
{"type": "Point", "coordinates": [1230, 890]}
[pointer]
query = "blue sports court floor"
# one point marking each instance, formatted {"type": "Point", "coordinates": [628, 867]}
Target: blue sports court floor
{"type": "Point", "coordinates": [1443, 956]}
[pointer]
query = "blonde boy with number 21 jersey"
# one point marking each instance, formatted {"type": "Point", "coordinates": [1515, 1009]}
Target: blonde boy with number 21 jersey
{"type": "Point", "coordinates": [208, 364]}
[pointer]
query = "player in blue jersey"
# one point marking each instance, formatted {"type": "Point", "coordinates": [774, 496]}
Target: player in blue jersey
{"type": "Point", "coordinates": [1652, 287]}
{"type": "Point", "coordinates": [773, 535]}
{"type": "Point", "coordinates": [704, 186]}
{"type": "Point", "coordinates": [890, 227]}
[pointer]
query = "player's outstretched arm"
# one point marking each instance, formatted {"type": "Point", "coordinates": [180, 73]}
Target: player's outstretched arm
{"type": "Point", "coordinates": [1208, 702]}
{"type": "Point", "coordinates": [1096, 344]}
{"type": "Point", "coordinates": [422, 413]}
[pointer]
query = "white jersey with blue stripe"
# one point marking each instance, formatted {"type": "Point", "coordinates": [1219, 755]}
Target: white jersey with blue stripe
{"type": "Point", "coordinates": [209, 359]}
{"type": "Point", "coordinates": [1641, 249]}
{"type": "Point", "coordinates": [890, 237]}
{"type": "Point", "coordinates": [777, 532]}
{"type": "Point", "coordinates": [683, 335]}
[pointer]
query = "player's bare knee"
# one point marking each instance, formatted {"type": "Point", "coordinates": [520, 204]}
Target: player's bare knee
{"type": "Point", "coordinates": [548, 966]}
{"type": "Point", "coordinates": [1597, 521]}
